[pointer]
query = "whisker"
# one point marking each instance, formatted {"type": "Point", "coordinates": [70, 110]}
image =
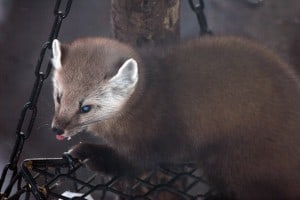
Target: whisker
{"type": "Point", "coordinates": [43, 125]}
{"type": "Point", "coordinates": [84, 124]}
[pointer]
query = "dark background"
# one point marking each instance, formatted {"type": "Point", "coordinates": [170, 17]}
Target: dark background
{"type": "Point", "coordinates": [25, 26]}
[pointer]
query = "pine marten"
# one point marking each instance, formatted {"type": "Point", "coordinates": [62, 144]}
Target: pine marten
{"type": "Point", "coordinates": [225, 103]}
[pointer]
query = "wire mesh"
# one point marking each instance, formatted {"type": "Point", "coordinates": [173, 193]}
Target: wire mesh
{"type": "Point", "coordinates": [65, 178]}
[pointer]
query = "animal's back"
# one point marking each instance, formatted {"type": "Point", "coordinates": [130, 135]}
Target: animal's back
{"type": "Point", "coordinates": [241, 107]}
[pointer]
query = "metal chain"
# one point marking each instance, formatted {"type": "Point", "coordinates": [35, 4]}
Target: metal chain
{"type": "Point", "coordinates": [199, 11]}
{"type": "Point", "coordinates": [29, 110]}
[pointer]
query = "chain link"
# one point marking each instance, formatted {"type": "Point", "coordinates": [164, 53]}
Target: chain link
{"type": "Point", "coordinates": [199, 11]}
{"type": "Point", "coordinates": [29, 111]}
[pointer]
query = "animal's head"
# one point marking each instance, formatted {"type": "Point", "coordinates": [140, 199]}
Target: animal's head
{"type": "Point", "coordinates": [93, 79]}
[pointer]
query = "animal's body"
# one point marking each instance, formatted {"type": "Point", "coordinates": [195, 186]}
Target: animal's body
{"type": "Point", "coordinates": [227, 104]}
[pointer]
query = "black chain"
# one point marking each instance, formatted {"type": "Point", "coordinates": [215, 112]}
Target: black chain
{"type": "Point", "coordinates": [29, 110]}
{"type": "Point", "coordinates": [199, 10]}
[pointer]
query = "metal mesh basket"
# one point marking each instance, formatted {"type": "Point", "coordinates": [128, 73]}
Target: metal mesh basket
{"type": "Point", "coordinates": [65, 178]}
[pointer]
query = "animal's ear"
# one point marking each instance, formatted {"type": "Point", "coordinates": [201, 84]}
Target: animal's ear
{"type": "Point", "coordinates": [127, 75]}
{"type": "Point", "coordinates": [56, 54]}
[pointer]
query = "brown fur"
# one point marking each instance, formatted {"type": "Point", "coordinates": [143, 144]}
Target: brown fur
{"type": "Point", "coordinates": [228, 104]}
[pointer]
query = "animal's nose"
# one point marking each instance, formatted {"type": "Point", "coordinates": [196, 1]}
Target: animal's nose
{"type": "Point", "coordinates": [58, 131]}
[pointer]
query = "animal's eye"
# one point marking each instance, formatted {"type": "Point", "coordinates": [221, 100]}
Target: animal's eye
{"type": "Point", "coordinates": [85, 109]}
{"type": "Point", "coordinates": [58, 99]}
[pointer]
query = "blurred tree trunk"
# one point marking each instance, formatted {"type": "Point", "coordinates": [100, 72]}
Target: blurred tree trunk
{"type": "Point", "coordinates": [140, 22]}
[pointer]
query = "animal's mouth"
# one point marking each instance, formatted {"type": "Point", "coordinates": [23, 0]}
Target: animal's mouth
{"type": "Point", "coordinates": [69, 134]}
{"type": "Point", "coordinates": [61, 137]}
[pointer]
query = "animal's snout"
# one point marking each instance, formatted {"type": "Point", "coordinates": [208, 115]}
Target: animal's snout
{"type": "Point", "coordinates": [59, 125]}
{"type": "Point", "coordinates": [58, 131]}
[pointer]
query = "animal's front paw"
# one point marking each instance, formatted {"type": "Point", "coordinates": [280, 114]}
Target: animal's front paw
{"type": "Point", "coordinates": [100, 158]}
{"type": "Point", "coordinates": [90, 155]}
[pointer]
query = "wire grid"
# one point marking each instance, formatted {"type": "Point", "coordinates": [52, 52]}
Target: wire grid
{"type": "Point", "coordinates": [57, 178]}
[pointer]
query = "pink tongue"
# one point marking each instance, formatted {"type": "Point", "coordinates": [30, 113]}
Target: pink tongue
{"type": "Point", "coordinates": [60, 137]}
